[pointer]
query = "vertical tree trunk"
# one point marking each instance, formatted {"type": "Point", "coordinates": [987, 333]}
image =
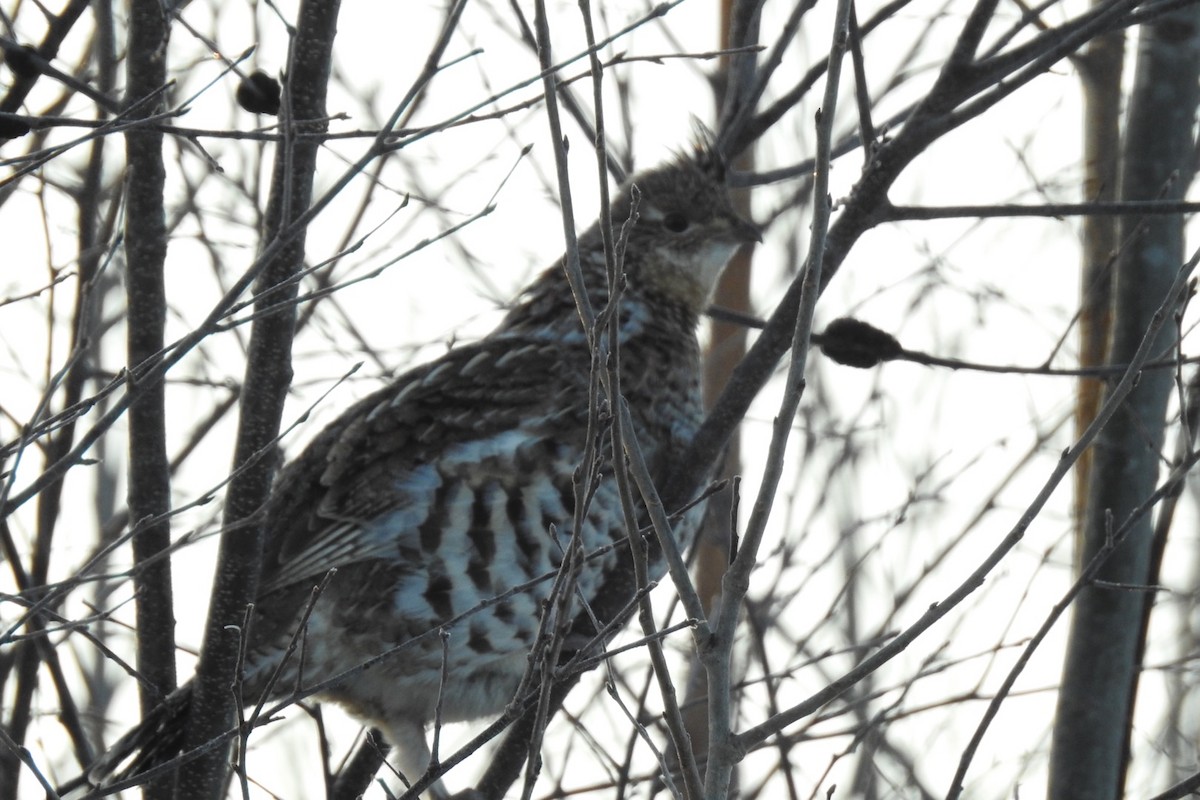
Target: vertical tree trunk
{"type": "Point", "coordinates": [1100, 69]}
{"type": "Point", "coordinates": [1091, 732]}
{"type": "Point", "coordinates": [268, 377]}
{"type": "Point", "coordinates": [146, 300]}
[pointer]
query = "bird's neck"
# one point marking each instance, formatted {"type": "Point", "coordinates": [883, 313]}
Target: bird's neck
{"type": "Point", "coordinates": [548, 307]}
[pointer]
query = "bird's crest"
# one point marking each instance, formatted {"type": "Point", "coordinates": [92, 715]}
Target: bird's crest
{"type": "Point", "coordinates": [704, 152]}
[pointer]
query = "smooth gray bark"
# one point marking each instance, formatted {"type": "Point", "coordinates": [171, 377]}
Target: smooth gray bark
{"type": "Point", "coordinates": [1092, 727]}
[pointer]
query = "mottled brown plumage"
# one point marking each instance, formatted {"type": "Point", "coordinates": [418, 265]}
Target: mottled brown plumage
{"type": "Point", "coordinates": [453, 484]}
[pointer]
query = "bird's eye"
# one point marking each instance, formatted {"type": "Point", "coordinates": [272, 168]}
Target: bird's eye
{"type": "Point", "coordinates": [675, 222]}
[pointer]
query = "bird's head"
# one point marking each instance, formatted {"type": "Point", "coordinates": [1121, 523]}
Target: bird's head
{"type": "Point", "coordinates": [686, 229]}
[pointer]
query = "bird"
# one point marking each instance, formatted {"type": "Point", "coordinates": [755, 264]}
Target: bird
{"type": "Point", "coordinates": [433, 511]}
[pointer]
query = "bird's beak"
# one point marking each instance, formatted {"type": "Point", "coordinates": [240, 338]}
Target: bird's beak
{"type": "Point", "coordinates": [744, 230]}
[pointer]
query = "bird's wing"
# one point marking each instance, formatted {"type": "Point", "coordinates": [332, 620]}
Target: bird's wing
{"type": "Point", "coordinates": [362, 489]}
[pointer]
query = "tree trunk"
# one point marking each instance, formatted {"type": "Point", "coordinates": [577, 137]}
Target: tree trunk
{"type": "Point", "coordinates": [1091, 732]}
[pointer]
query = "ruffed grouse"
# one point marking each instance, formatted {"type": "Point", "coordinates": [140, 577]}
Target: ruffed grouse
{"type": "Point", "coordinates": [453, 484]}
